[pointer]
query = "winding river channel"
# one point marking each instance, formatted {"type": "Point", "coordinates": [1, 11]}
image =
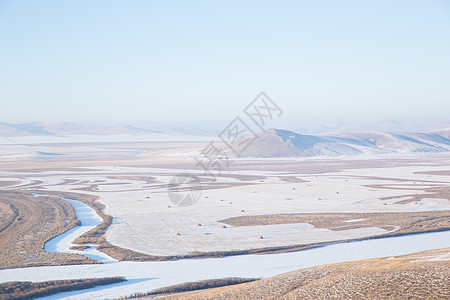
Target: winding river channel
{"type": "Point", "coordinates": [146, 276]}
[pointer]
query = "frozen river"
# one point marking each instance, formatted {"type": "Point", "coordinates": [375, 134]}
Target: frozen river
{"type": "Point", "coordinates": [89, 219]}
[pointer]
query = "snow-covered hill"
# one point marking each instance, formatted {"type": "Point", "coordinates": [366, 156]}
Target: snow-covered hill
{"type": "Point", "coordinates": [284, 143]}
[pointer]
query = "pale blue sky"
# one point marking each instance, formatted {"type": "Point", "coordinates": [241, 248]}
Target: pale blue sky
{"type": "Point", "coordinates": [200, 61]}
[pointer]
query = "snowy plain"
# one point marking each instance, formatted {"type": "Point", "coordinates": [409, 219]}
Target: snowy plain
{"type": "Point", "coordinates": [145, 219]}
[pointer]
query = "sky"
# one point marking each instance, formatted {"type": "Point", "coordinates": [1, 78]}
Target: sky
{"type": "Point", "coordinates": [136, 62]}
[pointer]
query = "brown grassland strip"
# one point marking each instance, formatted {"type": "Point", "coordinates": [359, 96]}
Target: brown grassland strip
{"type": "Point", "coordinates": [392, 179]}
{"type": "Point", "coordinates": [192, 286]}
{"type": "Point", "coordinates": [95, 235]}
{"type": "Point", "coordinates": [292, 179]}
{"type": "Point", "coordinates": [8, 213]}
{"type": "Point", "coordinates": [18, 290]}
{"type": "Point", "coordinates": [35, 221]}
{"type": "Point", "coordinates": [434, 192]}
{"type": "Point", "coordinates": [146, 179]}
{"type": "Point", "coordinates": [8, 183]}
{"type": "Point", "coordinates": [33, 184]}
{"type": "Point", "coordinates": [409, 222]}
{"type": "Point", "coordinates": [90, 188]}
{"type": "Point", "coordinates": [212, 186]}
{"type": "Point", "coordinates": [400, 277]}
{"type": "Point", "coordinates": [79, 247]}
{"type": "Point", "coordinates": [440, 172]}
{"type": "Point", "coordinates": [437, 193]}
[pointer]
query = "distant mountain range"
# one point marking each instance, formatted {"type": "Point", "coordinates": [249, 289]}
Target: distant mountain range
{"type": "Point", "coordinates": [65, 129]}
{"type": "Point", "coordinates": [354, 126]}
{"type": "Point", "coordinates": [270, 143]}
{"type": "Point", "coordinates": [284, 143]}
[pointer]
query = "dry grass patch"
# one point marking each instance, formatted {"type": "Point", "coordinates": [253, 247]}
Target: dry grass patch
{"type": "Point", "coordinates": [7, 183]}
{"type": "Point", "coordinates": [435, 193]}
{"type": "Point", "coordinates": [97, 234]}
{"type": "Point", "coordinates": [28, 290]}
{"type": "Point", "coordinates": [409, 222]}
{"type": "Point", "coordinates": [8, 213]}
{"type": "Point", "coordinates": [79, 247]}
{"type": "Point", "coordinates": [398, 277]}
{"type": "Point", "coordinates": [193, 286]}
{"type": "Point", "coordinates": [440, 172]}
{"type": "Point", "coordinates": [29, 223]}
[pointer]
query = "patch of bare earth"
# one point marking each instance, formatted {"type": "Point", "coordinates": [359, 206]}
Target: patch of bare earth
{"type": "Point", "coordinates": [440, 172]}
{"type": "Point", "coordinates": [192, 286]}
{"type": "Point", "coordinates": [409, 222]}
{"type": "Point", "coordinates": [435, 193]}
{"type": "Point", "coordinates": [29, 290]}
{"type": "Point", "coordinates": [8, 183]}
{"type": "Point", "coordinates": [27, 223]}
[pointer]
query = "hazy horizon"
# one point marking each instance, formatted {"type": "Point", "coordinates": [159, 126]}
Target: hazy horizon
{"type": "Point", "coordinates": [214, 128]}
